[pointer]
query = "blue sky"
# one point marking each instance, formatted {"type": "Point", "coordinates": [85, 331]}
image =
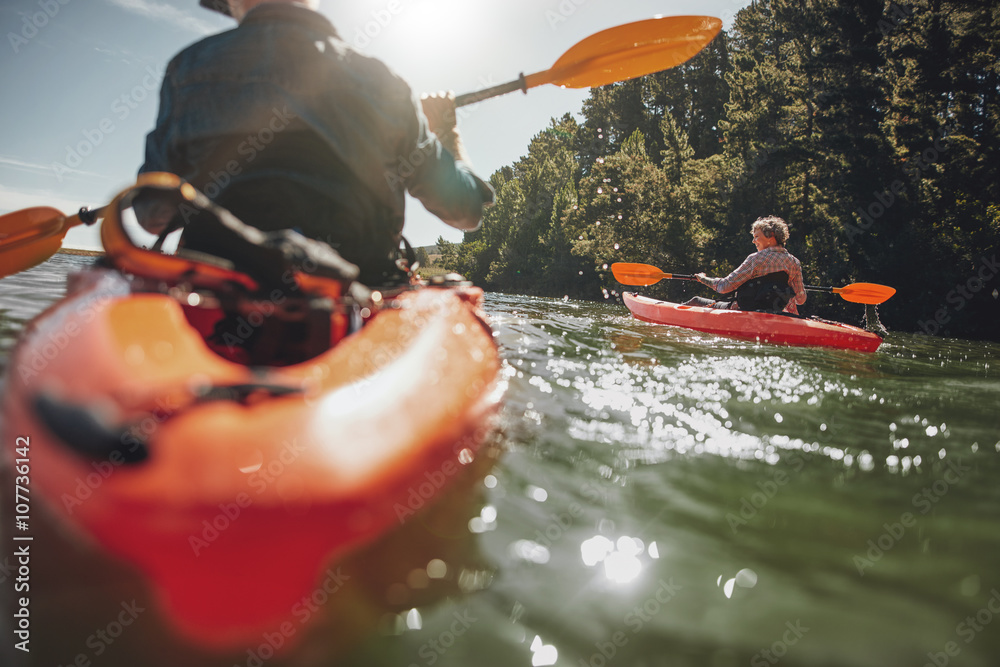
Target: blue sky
{"type": "Point", "coordinates": [82, 76]}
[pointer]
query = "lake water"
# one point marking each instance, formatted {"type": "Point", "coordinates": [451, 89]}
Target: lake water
{"type": "Point", "coordinates": [659, 497]}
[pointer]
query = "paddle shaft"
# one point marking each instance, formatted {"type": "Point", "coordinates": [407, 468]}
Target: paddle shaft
{"type": "Point", "coordinates": [811, 288]}
{"type": "Point", "coordinates": [519, 83]}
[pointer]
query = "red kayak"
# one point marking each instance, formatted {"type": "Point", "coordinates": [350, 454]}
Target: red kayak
{"type": "Point", "coordinates": [233, 485]}
{"type": "Point", "coordinates": [748, 325]}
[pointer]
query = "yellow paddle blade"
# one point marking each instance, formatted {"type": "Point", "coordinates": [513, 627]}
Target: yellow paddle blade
{"type": "Point", "coordinates": [869, 293]}
{"type": "Point", "coordinates": [637, 274]}
{"type": "Point", "coordinates": [629, 51]}
{"type": "Point", "coordinates": [29, 237]}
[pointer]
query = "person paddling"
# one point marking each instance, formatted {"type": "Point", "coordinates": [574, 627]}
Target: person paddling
{"type": "Point", "coordinates": [769, 280]}
{"type": "Point", "coordinates": [287, 126]}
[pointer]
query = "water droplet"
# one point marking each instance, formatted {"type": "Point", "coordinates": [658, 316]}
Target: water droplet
{"type": "Point", "coordinates": [530, 551]}
{"type": "Point", "coordinates": [746, 578]}
{"type": "Point", "coordinates": [543, 654]}
{"type": "Point", "coordinates": [437, 569]}
{"type": "Point", "coordinates": [621, 567]}
{"type": "Point", "coordinates": [596, 549]}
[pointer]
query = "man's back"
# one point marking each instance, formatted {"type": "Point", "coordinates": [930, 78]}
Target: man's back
{"type": "Point", "coordinates": [284, 124]}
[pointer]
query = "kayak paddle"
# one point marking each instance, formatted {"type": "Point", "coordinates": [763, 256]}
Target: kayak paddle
{"type": "Point", "coordinates": [30, 236]}
{"type": "Point", "coordinates": [617, 54]}
{"type": "Point", "coordinates": [645, 274]}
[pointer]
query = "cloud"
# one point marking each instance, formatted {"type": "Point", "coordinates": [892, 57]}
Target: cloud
{"type": "Point", "coordinates": [34, 168]}
{"type": "Point", "coordinates": [159, 11]}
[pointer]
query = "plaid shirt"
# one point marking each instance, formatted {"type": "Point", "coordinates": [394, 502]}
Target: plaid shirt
{"type": "Point", "coordinates": [760, 264]}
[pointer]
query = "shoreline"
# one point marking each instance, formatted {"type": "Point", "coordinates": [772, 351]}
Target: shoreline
{"type": "Point", "coordinates": [80, 251]}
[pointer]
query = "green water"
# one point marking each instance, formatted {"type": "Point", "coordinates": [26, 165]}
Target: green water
{"type": "Point", "coordinates": [662, 497]}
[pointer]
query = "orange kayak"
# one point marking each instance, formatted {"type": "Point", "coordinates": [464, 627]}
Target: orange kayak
{"type": "Point", "coordinates": [746, 325]}
{"type": "Point", "coordinates": [232, 486]}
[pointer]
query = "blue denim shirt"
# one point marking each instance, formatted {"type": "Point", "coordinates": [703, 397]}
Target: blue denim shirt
{"type": "Point", "coordinates": [282, 96]}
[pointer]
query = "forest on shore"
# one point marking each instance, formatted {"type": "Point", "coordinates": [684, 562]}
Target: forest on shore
{"type": "Point", "coordinates": [870, 127]}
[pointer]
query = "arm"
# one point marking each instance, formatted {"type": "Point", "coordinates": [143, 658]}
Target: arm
{"type": "Point", "coordinates": [443, 181]}
{"type": "Point", "coordinates": [795, 282]}
{"type": "Point", "coordinates": [743, 273]}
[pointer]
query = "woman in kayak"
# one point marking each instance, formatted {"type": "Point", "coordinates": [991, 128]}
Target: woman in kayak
{"type": "Point", "coordinates": [769, 280]}
{"type": "Point", "coordinates": [282, 122]}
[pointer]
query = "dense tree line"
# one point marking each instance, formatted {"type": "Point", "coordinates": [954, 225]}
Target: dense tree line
{"type": "Point", "coordinates": [871, 127]}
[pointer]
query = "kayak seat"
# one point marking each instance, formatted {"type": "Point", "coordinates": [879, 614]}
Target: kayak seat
{"type": "Point", "coordinates": [766, 294]}
{"type": "Point", "coordinates": [280, 303]}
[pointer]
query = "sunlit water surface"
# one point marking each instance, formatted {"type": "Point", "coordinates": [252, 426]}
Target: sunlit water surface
{"type": "Point", "coordinates": [666, 497]}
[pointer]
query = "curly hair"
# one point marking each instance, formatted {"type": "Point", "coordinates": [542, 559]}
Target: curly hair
{"type": "Point", "coordinates": [772, 226]}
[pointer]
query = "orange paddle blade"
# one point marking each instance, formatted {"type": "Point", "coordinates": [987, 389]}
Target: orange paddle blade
{"type": "Point", "coordinates": [637, 274]}
{"type": "Point", "coordinates": [629, 51]}
{"type": "Point", "coordinates": [617, 54]}
{"type": "Point", "coordinates": [870, 293]}
{"type": "Point", "coordinates": [29, 237]}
